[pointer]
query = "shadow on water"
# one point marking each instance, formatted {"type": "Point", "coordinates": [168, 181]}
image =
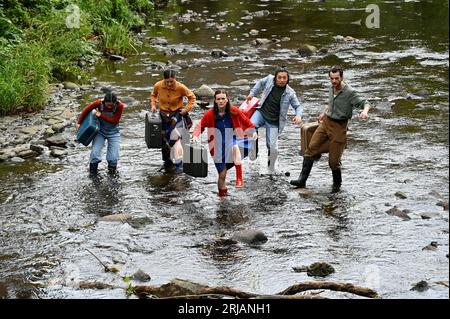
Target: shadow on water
{"type": "Point", "coordinates": [102, 195]}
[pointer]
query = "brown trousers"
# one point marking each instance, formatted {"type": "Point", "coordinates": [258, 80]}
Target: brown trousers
{"type": "Point", "coordinates": [336, 133]}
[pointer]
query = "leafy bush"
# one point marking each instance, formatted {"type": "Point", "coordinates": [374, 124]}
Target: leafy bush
{"type": "Point", "coordinates": [24, 76]}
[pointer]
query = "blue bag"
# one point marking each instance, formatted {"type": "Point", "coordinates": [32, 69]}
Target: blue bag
{"type": "Point", "coordinates": [88, 129]}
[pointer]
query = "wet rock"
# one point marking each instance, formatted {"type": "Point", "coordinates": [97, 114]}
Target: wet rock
{"type": "Point", "coordinates": [432, 246]}
{"type": "Point", "coordinates": [421, 286]}
{"type": "Point", "coordinates": [186, 31]}
{"type": "Point", "coordinates": [159, 41]}
{"type": "Point", "coordinates": [287, 174]}
{"type": "Point", "coordinates": [429, 215]}
{"type": "Point", "coordinates": [254, 32]}
{"type": "Point", "coordinates": [17, 159]}
{"type": "Point", "coordinates": [306, 50]}
{"type": "Point", "coordinates": [116, 218]}
{"type": "Point", "coordinates": [27, 154]}
{"type": "Point", "coordinates": [179, 287]}
{"type": "Point", "coordinates": [442, 203]}
{"type": "Point", "coordinates": [94, 285]}
{"type": "Point", "coordinates": [70, 86]}
{"type": "Point", "coordinates": [204, 92]}
{"type": "Point", "coordinates": [139, 222]}
{"type": "Point", "coordinates": [318, 269]}
{"type": "Point", "coordinates": [240, 82]}
{"type": "Point", "coordinates": [49, 132]}
{"type": "Point", "coordinates": [285, 39]}
{"type": "Point", "coordinates": [262, 41]}
{"type": "Point", "coordinates": [59, 127]}
{"type": "Point", "coordinates": [217, 53]}
{"type": "Point", "coordinates": [58, 152]}
{"type": "Point", "coordinates": [394, 211]}
{"type": "Point", "coordinates": [141, 276]}
{"type": "Point", "coordinates": [350, 39]}
{"type": "Point", "coordinates": [56, 140]}
{"type": "Point", "coordinates": [261, 14]}
{"type": "Point", "coordinates": [30, 130]}
{"type": "Point", "coordinates": [400, 195]}
{"type": "Point", "coordinates": [250, 236]}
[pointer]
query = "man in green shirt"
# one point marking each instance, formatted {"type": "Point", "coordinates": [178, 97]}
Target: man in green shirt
{"type": "Point", "coordinates": [333, 127]}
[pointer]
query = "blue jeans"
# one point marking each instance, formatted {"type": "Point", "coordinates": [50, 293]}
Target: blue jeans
{"type": "Point", "coordinates": [112, 153]}
{"type": "Point", "coordinates": [271, 135]}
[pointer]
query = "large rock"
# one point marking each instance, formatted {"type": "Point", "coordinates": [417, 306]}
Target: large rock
{"type": "Point", "coordinates": [56, 140]}
{"type": "Point", "coordinates": [58, 152]}
{"type": "Point", "coordinates": [217, 53]}
{"type": "Point", "coordinates": [204, 92]}
{"type": "Point", "coordinates": [30, 130]}
{"type": "Point", "coordinates": [240, 82]}
{"type": "Point", "coordinates": [250, 236]}
{"type": "Point", "coordinates": [306, 50]}
{"type": "Point", "coordinates": [394, 211]}
{"type": "Point", "coordinates": [70, 86]}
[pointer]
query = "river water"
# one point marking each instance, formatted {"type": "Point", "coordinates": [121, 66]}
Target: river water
{"type": "Point", "coordinates": [50, 210]}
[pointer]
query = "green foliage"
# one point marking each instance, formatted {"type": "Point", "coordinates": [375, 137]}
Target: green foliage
{"type": "Point", "coordinates": [24, 78]}
{"type": "Point", "coordinates": [116, 39]}
{"type": "Point", "coordinates": [26, 68]}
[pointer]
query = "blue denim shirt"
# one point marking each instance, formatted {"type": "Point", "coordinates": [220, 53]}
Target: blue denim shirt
{"type": "Point", "coordinates": [288, 98]}
{"type": "Point", "coordinates": [106, 128]}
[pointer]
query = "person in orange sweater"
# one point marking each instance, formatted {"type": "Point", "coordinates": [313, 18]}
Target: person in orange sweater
{"type": "Point", "coordinates": [169, 93]}
{"type": "Point", "coordinates": [109, 112]}
{"type": "Point", "coordinates": [227, 128]}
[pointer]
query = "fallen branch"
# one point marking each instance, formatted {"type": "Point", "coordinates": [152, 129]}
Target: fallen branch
{"type": "Point", "coordinates": [329, 285]}
{"type": "Point", "coordinates": [107, 268]}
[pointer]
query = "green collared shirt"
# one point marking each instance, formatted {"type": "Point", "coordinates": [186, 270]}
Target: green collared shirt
{"type": "Point", "coordinates": [340, 107]}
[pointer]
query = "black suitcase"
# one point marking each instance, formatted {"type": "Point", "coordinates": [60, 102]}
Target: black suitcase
{"type": "Point", "coordinates": [195, 160]}
{"type": "Point", "coordinates": [153, 128]}
{"type": "Point", "coordinates": [88, 129]}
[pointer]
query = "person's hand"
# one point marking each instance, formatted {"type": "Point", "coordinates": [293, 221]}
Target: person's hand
{"type": "Point", "coordinates": [183, 112]}
{"type": "Point", "coordinates": [195, 140]}
{"type": "Point", "coordinates": [255, 135]}
{"type": "Point", "coordinates": [98, 113]}
{"type": "Point", "coordinates": [321, 117]}
{"type": "Point", "coordinates": [297, 120]}
{"type": "Point", "coordinates": [153, 109]}
{"type": "Point", "coordinates": [249, 98]}
{"type": "Point", "coordinates": [77, 126]}
{"type": "Point", "coordinates": [363, 116]}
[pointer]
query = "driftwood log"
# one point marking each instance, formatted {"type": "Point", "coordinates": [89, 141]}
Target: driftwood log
{"type": "Point", "coordinates": [179, 288]}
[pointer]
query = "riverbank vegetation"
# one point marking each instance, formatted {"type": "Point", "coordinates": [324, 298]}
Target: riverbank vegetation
{"type": "Point", "coordinates": [54, 40]}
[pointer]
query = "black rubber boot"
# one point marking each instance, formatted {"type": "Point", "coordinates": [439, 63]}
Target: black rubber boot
{"type": "Point", "coordinates": [112, 170]}
{"type": "Point", "coordinates": [306, 170]}
{"type": "Point", "coordinates": [93, 168]}
{"type": "Point", "coordinates": [337, 180]}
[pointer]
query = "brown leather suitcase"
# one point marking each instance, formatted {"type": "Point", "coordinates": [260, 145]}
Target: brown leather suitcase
{"type": "Point", "coordinates": [306, 132]}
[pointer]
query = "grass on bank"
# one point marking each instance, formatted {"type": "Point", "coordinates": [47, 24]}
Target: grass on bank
{"type": "Point", "coordinates": [36, 47]}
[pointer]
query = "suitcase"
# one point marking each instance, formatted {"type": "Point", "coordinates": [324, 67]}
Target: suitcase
{"type": "Point", "coordinates": [248, 108]}
{"type": "Point", "coordinates": [88, 129]}
{"type": "Point", "coordinates": [306, 132]}
{"type": "Point", "coordinates": [195, 160]}
{"type": "Point", "coordinates": [153, 129]}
